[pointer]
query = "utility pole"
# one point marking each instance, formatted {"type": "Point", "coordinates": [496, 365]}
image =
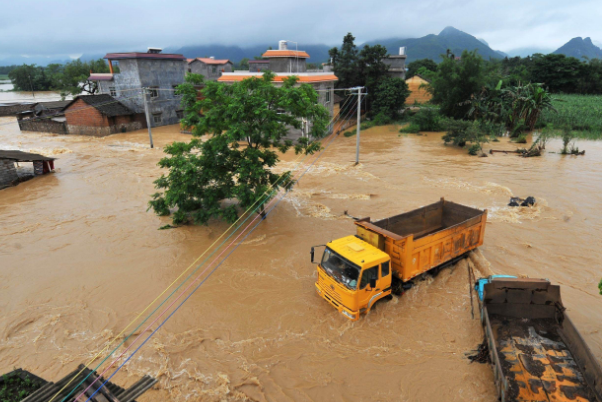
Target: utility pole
{"type": "Point", "coordinates": [31, 85]}
{"type": "Point", "coordinates": [148, 119]}
{"type": "Point", "coordinates": [357, 133]}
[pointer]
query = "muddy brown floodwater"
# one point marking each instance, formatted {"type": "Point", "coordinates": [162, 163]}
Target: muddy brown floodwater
{"type": "Point", "coordinates": [80, 257]}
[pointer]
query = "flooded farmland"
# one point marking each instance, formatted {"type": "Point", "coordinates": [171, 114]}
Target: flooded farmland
{"type": "Point", "coordinates": [80, 257]}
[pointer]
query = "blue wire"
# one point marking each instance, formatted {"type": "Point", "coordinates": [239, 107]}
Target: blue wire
{"type": "Point", "coordinates": [207, 277]}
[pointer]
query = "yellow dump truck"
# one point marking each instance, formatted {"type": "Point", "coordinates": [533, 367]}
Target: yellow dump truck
{"type": "Point", "coordinates": [357, 271]}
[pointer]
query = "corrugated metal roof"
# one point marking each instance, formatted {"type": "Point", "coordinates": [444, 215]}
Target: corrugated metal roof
{"type": "Point", "coordinates": [21, 156]}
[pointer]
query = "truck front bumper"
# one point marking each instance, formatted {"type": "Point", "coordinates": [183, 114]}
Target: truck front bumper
{"type": "Point", "coordinates": [349, 314]}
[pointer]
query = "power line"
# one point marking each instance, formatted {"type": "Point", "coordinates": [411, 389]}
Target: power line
{"type": "Point", "coordinates": [334, 120]}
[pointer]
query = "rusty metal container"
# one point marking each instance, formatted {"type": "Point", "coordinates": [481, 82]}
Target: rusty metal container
{"type": "Point", "coordinates": [536, 351]}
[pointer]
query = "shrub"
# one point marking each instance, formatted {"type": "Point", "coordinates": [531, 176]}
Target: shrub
{"type": "Point", "coordinates": [474, 149]}
{"type": "Point", "coordinates": [410, 128]}
{"type": "Point", "coordinates": [428, 119]}
{"type": "Point", "coordinates": [456, 132]}
{"type": "Point", "coordinates": [521, 139]}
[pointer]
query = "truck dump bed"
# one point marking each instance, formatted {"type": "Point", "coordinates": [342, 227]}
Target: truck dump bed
{"type": "Point", "coordinates": [425, 237]}
{"type": "Point", "coordinates": [536, 351]}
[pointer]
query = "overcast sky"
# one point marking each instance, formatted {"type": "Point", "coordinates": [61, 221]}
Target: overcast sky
{"type": "Point", "coordinates": [69, 27]}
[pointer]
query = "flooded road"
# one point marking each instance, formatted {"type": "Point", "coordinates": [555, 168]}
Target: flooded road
{"type": "Point", "coordinates": [80, 257]}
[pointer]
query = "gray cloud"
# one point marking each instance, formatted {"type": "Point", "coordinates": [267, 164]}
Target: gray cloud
{"type": "Point", "coordinates": [64, 27]}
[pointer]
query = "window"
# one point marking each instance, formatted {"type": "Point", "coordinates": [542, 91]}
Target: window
{"type": "Point", "coordinates": [367, 275]}
{"type": "Point", "coordinates": [214, 69]}
{"type": "Point", "coordinates": [112, 91]}
{"type": "Point", "coordinates": [190, 70]}
{"type": "Point", "coordinates": [180, 114]}
{"type": "Point", "coordinates": [154, 92]}
{"type": "Point", "coordinates": [328, 96]}
{"type": "Point", "coordinates": [157, 118]}
{"type": "Point", "coordinates": [343, 271]}
{"type": "Point", "coordinates": [385, 269]}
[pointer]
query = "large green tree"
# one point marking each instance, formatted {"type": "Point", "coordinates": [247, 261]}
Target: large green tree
{"type": "Point", "coordinates": [69, 78]}
{"type": "Point", "coordinates": [30, 77]}
{"type": "Point", "coordinates": [416, 65]}
{"type": "Point", "coordinates": [456, 82]}
{"type": "Point", "coordinates": [234, 147]}
{"type": "Point", "coordinates": [372, 69]}
{"type": "Point", "coordinates": [345, 63]}
{"type": "Point", "coordinates": [389, 97]}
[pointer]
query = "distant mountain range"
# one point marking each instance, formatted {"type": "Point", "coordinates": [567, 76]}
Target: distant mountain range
{"type": "Point", "coordinates": [430, 46]}
{"type": "Point", "coordinates": [433, 46]}
{"type": "Point", "coordinates": [579, 48]}
{"type": "Point", "coordinates": [317, 53]}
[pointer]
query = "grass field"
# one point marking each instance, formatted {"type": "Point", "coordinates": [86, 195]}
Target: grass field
{"type": "Point", "coordinates": [583, 113]}
{"type": "Point", "coordinates": [3, 77]}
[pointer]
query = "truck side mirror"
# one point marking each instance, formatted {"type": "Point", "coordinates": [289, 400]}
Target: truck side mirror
{"type": "Point", "coordinates": [373, 283]}
{"type": "Point", "coordinates": [312, 255]}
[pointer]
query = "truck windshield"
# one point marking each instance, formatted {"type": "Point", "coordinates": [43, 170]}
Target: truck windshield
{"type": "Point", "coordinates": [340, 269]}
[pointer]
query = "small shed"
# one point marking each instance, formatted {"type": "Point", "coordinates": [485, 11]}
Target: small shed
{"type": "Point", "coordinates": [417, 94]}
{"type": "Point", "coordinates": [101, 115]}
{"type": "Point", "coordinates": [8, 173]}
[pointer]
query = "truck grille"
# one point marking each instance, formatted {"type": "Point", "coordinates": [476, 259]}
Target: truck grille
{"type": "Point", "coordinates": [329, 291]}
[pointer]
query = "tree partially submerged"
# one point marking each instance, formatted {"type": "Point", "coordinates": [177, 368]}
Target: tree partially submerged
{"type": "Point", "coordinates": [230, 168]}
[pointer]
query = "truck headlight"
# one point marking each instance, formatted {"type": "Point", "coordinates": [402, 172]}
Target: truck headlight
{"type": "Point", "coordinates": [348, 315]}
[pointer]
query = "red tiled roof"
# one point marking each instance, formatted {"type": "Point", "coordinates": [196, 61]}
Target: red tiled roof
{"type": "Point", "coordinates": [305, 79]}
{"type": "Point", "coordinates": [135, 55]}
{"type": "Point", "coordinates": [286, 53]}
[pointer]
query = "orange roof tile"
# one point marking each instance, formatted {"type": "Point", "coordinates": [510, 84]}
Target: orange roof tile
{"type": "Point", "coordinates": [280, 78]}
{"type": "Point", "coordinates": [286, 53]}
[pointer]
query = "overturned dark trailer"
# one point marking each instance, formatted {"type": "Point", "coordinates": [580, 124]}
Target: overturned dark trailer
{"type": "Point", "coordinates": [536, 351]}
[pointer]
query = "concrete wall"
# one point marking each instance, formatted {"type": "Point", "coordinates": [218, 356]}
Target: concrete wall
{"type": "Point", "coordinates": [287, 64]}
{"type": "Point", "coordinates": [8, 173]}
{"type": "Point", "coordinates": [140, 73]}
{"type": "Point", "coordinates": [43, 126]}
{"type": "Point", "coordinates": [255, 67]}
{"type": "Point", "coordinates": [397, 66]}
{"type": "Point", "coordinates": [211, 72]}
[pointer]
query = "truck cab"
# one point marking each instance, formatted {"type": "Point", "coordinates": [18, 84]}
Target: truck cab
{"type": "Point", "coordinates": [353, 275]}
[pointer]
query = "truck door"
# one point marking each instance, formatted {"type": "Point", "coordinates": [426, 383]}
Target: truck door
{"type": "Point", "coordinates": [365, 292]}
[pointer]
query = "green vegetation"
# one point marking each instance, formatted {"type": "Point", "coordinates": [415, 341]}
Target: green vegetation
{"type": "Point", "coordinates": [410, 128]}
{"type": "Point", "coordinates": [422, 67]}
{"type": "Point", "coordinates": [15, 389]}
{"type": "Point", "coordinates": [3, 77]}
{"type": "Point", "coordinates": [69, 78]}
{"type": "Point", "coordinates": [246, 122]}
{"type": "Point", "coordinates": [582, 113]}
{"type": "Point", "coordinates": [366, 68]}
{"type": "Point", "coordinates": [391, 94]}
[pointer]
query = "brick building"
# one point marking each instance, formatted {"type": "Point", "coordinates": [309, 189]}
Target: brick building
{"type": "Point", "coordinates": [101, 115]}
{"type": "Point", "coordinates": [157, 71]}
{"type": "Point", "coordinates": [210, 68]}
